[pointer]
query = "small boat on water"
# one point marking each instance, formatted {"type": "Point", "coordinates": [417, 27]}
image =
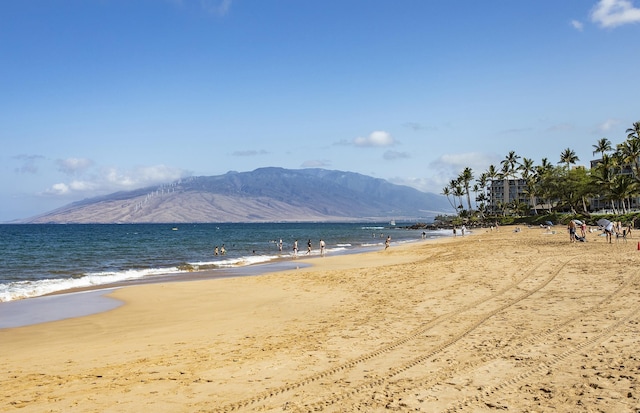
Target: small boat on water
{"type": "Point", "coordinates": [392, 222]}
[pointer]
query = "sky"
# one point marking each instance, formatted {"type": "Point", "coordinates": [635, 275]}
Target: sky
{"type": "Point", "coordinates": [100, 96]}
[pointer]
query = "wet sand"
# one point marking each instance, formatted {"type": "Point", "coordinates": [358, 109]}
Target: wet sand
{"type": "Point", "coordinates": [517, 321]}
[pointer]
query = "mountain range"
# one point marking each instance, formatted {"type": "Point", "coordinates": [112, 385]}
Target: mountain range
{"type": "Point", "coordinates": [263, 195]}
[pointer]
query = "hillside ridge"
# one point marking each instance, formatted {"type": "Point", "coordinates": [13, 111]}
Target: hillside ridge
{"type": "Point", "coordinates": [268, 194]}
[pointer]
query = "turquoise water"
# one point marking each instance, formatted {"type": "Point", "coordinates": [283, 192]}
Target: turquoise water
{"type": "Point", "coordinates": [39, 259]}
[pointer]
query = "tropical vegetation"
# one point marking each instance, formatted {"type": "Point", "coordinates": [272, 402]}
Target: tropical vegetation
{"type": "Point", "coordinates": [518, 187]}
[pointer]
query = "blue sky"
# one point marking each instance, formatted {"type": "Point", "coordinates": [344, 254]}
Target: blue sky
{"type": "Point", "coordinates": [109, 95]}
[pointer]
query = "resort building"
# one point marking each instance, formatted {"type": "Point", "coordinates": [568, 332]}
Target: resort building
{"type": "Point", "coordinates": [498, 194]}
{"type": "Point", "coordinates": [518, 190]}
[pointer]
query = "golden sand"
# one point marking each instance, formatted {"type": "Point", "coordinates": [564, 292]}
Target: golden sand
{"type": "Point", "coordinates": [499, 320]}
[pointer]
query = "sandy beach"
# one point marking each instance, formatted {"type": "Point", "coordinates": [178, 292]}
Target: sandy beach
{"type": "Point", "coordinates": [496, 321]}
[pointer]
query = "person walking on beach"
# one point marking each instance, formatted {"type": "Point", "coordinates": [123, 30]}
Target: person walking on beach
{"type": "Point", "coordinates": [322, 248]}
{"type": "Point", "coordinates": [309, 247]}
{"type": "Point", "coordinates": [387, 243]}
{"type": "Point", "coordinates": [295, 248]}
{"type": "Point", "coordinates": [572, 231]}
{"type": "Point", "coordinates": [609, 232]}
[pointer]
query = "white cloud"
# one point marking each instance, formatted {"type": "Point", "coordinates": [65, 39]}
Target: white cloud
{"type": "Point", "coordinates": [151, 175]}
{"type": "Point", "coordinates": [458, 161]}
{"type": "Point", "coordinates": [376, 138]}
{"type": "Point", "coordinates": [440, 172]}
{"type": "Point", "coordinates": [577, 25]}
{"type": "Point", "coordinates": [74, 187]}
{"type": "Point", "coordinates": [112, 179]}
{"type": "Point", "coordinates": [71, 166]}
{"type": "Point", "coordinates": [607, 126]}
{"type": "Point", "coordinates": [116, 178]}
{"type": "Point", "coordinates": [449, 166]}
{"type": "Point", "coordinates": [613, 13]}
{"type": "Point", "coordinates": [58, 189]}
{"type": "Point", "coordinates": [82, 186]}
{"type": "Point", "coordinates": [421, 184]}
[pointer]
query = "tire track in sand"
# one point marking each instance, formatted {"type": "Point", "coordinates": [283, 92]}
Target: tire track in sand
{"type": "Point", "coordinates": [541, 369]}
{"type": "Point", "coordinates": [278, 392]}
{"type": "Point", "coordinates": [533, 340]}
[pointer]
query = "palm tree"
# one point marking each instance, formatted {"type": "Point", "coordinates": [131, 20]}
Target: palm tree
{"type": "Point", "coordinates": [504, 175]}
{"type": "Point", "coordinates": [492, 175]}
{"type": "Point", "coordinates": [509, 170]}
{"type": "Point", "coordinates": [634, 132]}
{"type": "Point", "coordinates": [528, 173]}
{"type": "Point", "coordinates": [569, 157]}
{"type": "Point", "coordinates": [465, 178]}
{"type": "Point", "coordinates": [602, 177]}
{"type": "Point", "coordinates": [546, 184]}
{"type": "Point", "coordinates": [603, 146]}
{"type": "Point", "coordinates": [476, 189]}
{"type": "Point", "coordinates": [446, 191]}
{"type": "Point", "coordinates": [623, 187]}
{"type": "Point", "coordinates": [630, 154]}
{"type": "Point", "coordinates": [458, 191]}
{"type": "Point", "coordinates": [481, 197]}
{"type": "Point", "coordinates": [545, 166]}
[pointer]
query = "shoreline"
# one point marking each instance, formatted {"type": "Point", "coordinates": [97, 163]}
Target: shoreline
{"type": "Point", "coordinates": [520, 321]}
{"type": "Point", "coordinates": [64, 304]}
{"type": "Point", "coordinates": [111, 268]}
{"type": "Point", "coordinates": [75, 302]}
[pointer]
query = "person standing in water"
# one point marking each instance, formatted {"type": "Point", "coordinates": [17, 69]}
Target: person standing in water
{"type": "Point", "coordinates": [322, 248]}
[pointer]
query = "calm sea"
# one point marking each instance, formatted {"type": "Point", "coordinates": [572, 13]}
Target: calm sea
{"type": "Point", "coordinates": [39, 259]}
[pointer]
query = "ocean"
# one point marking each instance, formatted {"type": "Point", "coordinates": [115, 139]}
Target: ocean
{"type": "Point", "coordinates": [36, 260]}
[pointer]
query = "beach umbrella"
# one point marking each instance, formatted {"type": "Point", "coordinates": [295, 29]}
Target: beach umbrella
{"type": "Point", "coordinates": [549, 223]}
{"type": "Point", "coordinates": [577, 222]}
{"type": "Point", "coordinates": [603, 223]}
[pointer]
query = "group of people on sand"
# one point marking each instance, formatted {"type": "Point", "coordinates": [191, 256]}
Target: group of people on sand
{"type": "Point", "coordinates": [613, 228]}
{"type": "Point", "coordinates": [617, 229]}
{"type": "Point", "coordinates": [572, 227]}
